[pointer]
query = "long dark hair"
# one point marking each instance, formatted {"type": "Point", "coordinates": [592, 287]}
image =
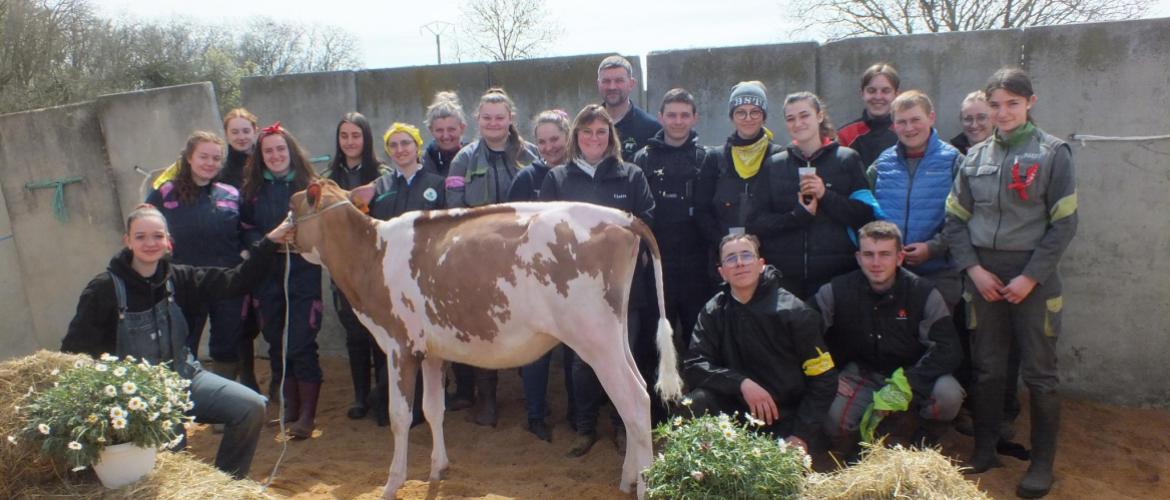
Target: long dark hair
{"type": "Point", "coordinates": [1014, 80]}
{"type": "Point", "coordinates": [369, 167]}
{"type": "Point", "coordinates": [185, 187]}
{"type": "Point", "coordinates": [298, 162]}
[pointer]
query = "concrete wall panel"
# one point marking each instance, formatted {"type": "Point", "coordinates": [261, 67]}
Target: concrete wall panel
{"type": "Point", "coordinates": [1112, 79]}
{"type": "Point", "coordinates": [393, 95]}
{"type": "Point", "coordinates": [17, 336]}
{"type": "Point", "coordinates": [945, 66]}
{"type": "Point", "coordinates": [308, 105]}
{"type": "Point", "coordinates": [57, 259]}
{"type": "Point", "coordinates": [568, 83]}
{"type": "Point", "coordinates": [148, 129]}
{"type": "Point", "coordinates": [709, 75]}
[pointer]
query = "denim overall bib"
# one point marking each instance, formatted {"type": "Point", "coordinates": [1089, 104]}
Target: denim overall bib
{"type": "Point", "coordinates": [157, 335]}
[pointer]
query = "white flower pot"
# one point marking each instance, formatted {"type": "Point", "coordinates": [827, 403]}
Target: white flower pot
{"type": "Point", "coordinates": [122, 464]}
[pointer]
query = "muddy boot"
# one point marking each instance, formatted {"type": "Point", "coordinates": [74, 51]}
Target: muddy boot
{"type": "Point", "coordinates": [987, 407]}
{"type": "Point", "coordinates": [1045, 423]}
{"type": "Point", "coordinates": [484, 411]}
{"type": "Point", "coordinates": [359, 371]}
{"type": "Point", "coordinates": [581, 444]}
{"type": "Point", "coordinates": [464, 395]}
{"type": "Point", "coordinates": [309, 393]}
{"type": "Point", "coordinates": [540, 429]}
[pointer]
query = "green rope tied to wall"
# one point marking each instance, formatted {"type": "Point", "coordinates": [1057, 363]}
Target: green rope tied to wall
{"type": "Point", "coordinates": [58, 186]}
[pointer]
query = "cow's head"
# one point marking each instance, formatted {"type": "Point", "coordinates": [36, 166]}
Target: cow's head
{"type": "Point", "coordinates": [308, 209]}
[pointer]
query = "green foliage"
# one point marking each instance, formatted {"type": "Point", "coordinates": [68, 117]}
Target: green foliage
{"type": "Point", "coordinates": [55, 52]}
{"type": "Point", "coordinates": [105, 402]}
{"type": "Point", "coordinates": [719, 457]}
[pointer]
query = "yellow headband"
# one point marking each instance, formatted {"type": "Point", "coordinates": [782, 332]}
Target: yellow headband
{"type": "Point", "coordinates": [407, 129]}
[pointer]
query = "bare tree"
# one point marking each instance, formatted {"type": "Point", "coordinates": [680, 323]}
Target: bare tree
{"type": "Point", "coordinates": [847, 18]}
{"type": "Point", "coordinates": [504, 30]}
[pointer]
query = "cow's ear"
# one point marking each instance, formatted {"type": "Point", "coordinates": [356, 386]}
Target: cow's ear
{"type": "Point", "coordinates": [313, 192]}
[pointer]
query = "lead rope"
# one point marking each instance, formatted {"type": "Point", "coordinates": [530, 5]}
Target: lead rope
{"type": "Point", "coordinates": [283, 368]}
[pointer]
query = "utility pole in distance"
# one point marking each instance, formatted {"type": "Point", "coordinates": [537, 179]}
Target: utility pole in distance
{"type": "Point", "coordinates": [437, 28]}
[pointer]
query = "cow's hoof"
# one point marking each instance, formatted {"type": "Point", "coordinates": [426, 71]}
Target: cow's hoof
{"type": "Point", "coordinates": [582, 444]}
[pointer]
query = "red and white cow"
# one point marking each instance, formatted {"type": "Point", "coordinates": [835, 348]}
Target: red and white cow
{"type": "Point", "coordinates": [494, 287]}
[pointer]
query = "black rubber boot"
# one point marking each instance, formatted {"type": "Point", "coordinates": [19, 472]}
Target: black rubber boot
{"type": "Point", "coordinates": [1045, 424]}
{"type": "Point", "coordinates": [987, 407]}
{"type": "Point", "coordinates": [359, 372]}
{"type": "Point", "coordinates": [484, 412]}
{"type": "Point", "coordinates": [464, 395]}
{"type": "Point", "coordinates": [225, 369]}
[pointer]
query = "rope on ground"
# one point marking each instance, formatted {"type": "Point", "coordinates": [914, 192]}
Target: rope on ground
{"type": "Point", "coordinates": [1083, 138]}
{"type": "Point", "coordinates": [58, 186]}
{"type": "Point", "coordinates": [283, 369]}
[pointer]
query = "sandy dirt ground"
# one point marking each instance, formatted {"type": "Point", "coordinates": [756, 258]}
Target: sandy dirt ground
{"type": "Point", "coordinates": [1105, 453]}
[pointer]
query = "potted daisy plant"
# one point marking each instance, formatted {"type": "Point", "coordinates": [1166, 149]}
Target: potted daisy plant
{"type": "Point", "coordinates": [109, 413]}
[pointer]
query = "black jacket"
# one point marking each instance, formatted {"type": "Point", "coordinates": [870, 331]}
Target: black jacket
{"type": "Point", "coordinates": [815, 248]}
{"type": "Point", "coordinates": [232, 172]}
{"type": "Point", "coordinates": [775, 340]}
{"type": "Point", "coordinates": [672, 173]}
{"type": "Point", "coordinates": [94, 328]}
{"type": "Point", "coordinates": [526, 185]}
{"type": "Point", "coordinates": [206, 230]}
{"type": "Point", "coordinates": [725, 200]}
{"type": "Point", "coordinates": [907, 326]}
{"type": "Point", "coordinates": [393, 196]}
{"type": "Point", "coordinates": [868, 136]}
{"type": "Point", "coordinates": [635, 128]}
{"type": "Point", "coordinates": [436, 161]}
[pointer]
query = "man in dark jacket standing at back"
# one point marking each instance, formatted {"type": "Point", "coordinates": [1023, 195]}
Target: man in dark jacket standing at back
{"type": "Point", "coordinates": [758, 349]}
{"type": "Point", "coordinates": [892, 332]}
{"type": "Point", "coordinates": [671, 161]}
{"type": "Point", "coordinates": [615, 82]}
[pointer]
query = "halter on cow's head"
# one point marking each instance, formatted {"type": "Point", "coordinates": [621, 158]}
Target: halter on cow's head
{"type": "Point", "coordinates": [306, 207]}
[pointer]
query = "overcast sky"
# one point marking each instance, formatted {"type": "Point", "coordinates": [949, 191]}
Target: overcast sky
{"type": "Point", "coordinates": [390, 31]}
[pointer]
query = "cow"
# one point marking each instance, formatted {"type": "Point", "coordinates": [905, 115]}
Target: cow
{"type": "Point", "coordinates": [494, 287]}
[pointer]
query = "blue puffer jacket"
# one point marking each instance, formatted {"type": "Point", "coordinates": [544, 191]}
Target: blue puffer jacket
{"type": "Point", "coordinates": [917, 205]}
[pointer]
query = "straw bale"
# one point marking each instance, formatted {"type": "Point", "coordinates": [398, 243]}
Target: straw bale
{"type": "Point", "coordinates": [889, 473]}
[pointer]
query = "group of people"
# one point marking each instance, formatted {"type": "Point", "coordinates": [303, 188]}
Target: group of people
{"type": "Point", "coordinates": [817, 286]}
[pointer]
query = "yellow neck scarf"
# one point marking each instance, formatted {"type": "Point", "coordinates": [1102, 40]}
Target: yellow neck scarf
{"type": "Point", "coordinates": [748, 159]}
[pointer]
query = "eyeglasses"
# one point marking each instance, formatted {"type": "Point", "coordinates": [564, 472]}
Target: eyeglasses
{"type": "Point", "coordinates": [743, 114]}
{"type": "Point", "coordinates": [743, 258]}
{"type": "Point", "coordinates": [979, 118]}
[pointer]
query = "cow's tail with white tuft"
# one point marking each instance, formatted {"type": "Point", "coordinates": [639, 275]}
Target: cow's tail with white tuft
{"type": "Point", "coordinates": [669, 384]}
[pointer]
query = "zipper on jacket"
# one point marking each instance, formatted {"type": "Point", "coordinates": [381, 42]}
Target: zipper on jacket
{"type": "Point", "coordinates": [998, 202]}
{"type": "Point", "coordinates": [909, 190]}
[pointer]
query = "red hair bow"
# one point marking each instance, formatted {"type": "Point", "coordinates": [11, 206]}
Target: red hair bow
{"type": "Point", "coordinates": [272, 129]}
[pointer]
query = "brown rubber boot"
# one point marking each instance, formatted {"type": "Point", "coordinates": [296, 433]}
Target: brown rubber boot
{"type": "Point", "coordinates": [309, 393]}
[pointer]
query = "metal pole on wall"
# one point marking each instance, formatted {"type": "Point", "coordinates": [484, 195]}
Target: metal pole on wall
{"type": "Point", "coordinates": [437, 28]}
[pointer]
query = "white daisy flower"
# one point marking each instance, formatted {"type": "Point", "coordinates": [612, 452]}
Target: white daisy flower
{"type": "Point", "coordinates": [136, 404]}
{"type": "Point", "coordinates": [118, 423]}
{"type": "Point", "coordinates": [74, 445]}
{"type": "Point", "coordinates": [78, 364]}
{"type": "Point", "coordinates": [687, 402]}
{"type": "Point", "coordinates": [109, 358]}
{"type": "Point", "coordinates": [120, 371]}
{"type": "Point", "coordinates": [153, 416]}
{"type": "Point", "coordinates": [111, 391]}
{"type": "Point", "coordinates": [101, 367]}
{"type": "Point", "coordinates": [129, 387]}
{"type": "Point", "coordinates": [92, 418]}
{"type": "Point", "coordinates": [166, 408]}
{"type": "Point", "coordinates": [44, 428]}
{"type": "Point", "coordinates": [697, 475]}
{"type": "Point", "coordinates": [728, 433]}
{"type": "Point", "coordinates": [117, 412]}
